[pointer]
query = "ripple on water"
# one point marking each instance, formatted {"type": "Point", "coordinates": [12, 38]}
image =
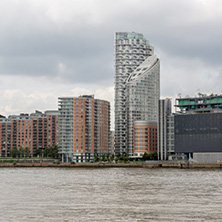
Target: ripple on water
{"type": "Point", "coordinates": [110, 194]}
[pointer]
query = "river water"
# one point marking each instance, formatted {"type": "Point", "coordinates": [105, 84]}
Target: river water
{"type": "Point", "coordinates": [110, 194]}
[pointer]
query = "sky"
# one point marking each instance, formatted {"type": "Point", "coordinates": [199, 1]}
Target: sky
{"type": "Point", "coordinates": [53, 48]}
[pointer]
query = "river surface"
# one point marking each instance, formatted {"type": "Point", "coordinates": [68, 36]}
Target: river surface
{"type": "Point", "coordinates": [110, 194]}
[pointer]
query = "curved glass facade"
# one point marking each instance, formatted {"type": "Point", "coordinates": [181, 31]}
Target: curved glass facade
{"type": "Point", "coordinates": [131, 49]}
{"type": "Point", "coordinates": [143, 93]}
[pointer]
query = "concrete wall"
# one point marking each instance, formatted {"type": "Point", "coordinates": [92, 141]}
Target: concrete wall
{"type": "Point", "coordinates": [207, 158]}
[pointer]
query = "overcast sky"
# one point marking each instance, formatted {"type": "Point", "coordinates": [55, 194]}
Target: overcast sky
{"type": "Point", "coordinates": [52, 48]}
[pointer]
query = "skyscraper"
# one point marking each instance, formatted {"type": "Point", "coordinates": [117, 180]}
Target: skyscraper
{"type": "Point", "coordinates": [131, 49]}
{"type": "Point", "coordinates": [143, 93]}
{"type": "Point", "coordinates": [165, 129]}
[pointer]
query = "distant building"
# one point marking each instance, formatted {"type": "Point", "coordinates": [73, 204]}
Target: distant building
{"type": "Point", "coordinates": [84, 128]}
{"type": "Point", "coordinates": [35, 131]}
{"type": "Point", "coordinates": [144, 138]}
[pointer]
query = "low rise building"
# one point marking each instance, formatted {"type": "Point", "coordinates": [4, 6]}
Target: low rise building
{"type": "Point", "coordinates": [144, 138]}
{"type": "Point", "coordinates": [35, 131]}
{"type": "Point", "coordinates": [198, 126]}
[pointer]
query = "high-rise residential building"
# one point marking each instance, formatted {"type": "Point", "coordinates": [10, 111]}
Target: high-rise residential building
{"type": "Point", "coordinates": [5, 136]}
{"type": "Point", "coordinates": [84, 128]}
{"type": "Point", "coordinates": [142, 96]}
{"type": "Point", "coordinates": [35, 131]}
{"type": "Point", "coordinates": [131, 49]}
{"type": "Point", "coordinates": [165, 129]}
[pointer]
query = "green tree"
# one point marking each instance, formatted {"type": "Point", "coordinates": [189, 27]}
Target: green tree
{"type": "Point", "coordinates": [103, 158]}
{"type": "Point", "coordinates": [46, 152]}
{"type": "Point", "coordinates": [96, 159]}
{"type": "Point", "coordinates": [145, 156]}
{"type": "Point", "coordinates": [123, 158]}
{"type": "Point", "coordinates": [150, 156]}
{"type": "Point", "coordinates": [38, 152]}
{"type": "Point", "coordinates": [21, 152]}
{"type": "Point", "coordinates": [54, 151]}
{"type": "Point", "coordinates": [112, 157]}
{"type": "Point", "coordinates": [154, 155]}
{"type": "Point", "coordinates": [26, 152]}
{"type": "Point", "coordinates": [13, 152]}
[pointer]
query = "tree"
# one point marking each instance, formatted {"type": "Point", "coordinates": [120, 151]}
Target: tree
{"type": "Point", "coordinates": [54, 151]}
{"type": "Point", "coordinates": [13, 152]}
{"type": "Point", "coordinates": [123, 158]}
{"type": "Point", "coordinates": [150, 156]}
{"type": "Point", "coordinates": [145, 156]}
{"type": "Point", "coordinates": [38, 152]}
{"type": "Point", "coordinates": [45, 152]}
{"type": "Point", "coordinates": [104, 158]}
{"type": "Point", "coordinates": [21, 152]}
{"type": "Point", "coordinates": [96, 159]}
{"type": "Point", "coordinates": [26, 152]}
{"type": "Point", "coordinates": [112, 157]}
{"type": "Point", "coordinates": [154, 155]}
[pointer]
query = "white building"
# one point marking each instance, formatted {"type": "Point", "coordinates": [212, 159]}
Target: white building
{"type": "Point", "coordinates": [131, 49]}
{"type": "Point", "coordinates": [143, 93]}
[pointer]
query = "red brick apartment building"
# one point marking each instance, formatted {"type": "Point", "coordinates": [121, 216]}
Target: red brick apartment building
{"type": "Point", "coordinates": [84, 128]}
{"type": "Point", "coordinates": [35, 131]}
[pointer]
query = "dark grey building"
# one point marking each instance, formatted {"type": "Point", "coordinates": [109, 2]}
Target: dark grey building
{"type": "Point", "coordinates": [198, 127]}
{"type": "Point", "coordinates": [198, 133]}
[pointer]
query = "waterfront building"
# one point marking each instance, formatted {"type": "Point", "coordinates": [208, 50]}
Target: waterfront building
{"type": "Point", "coordinates": [198, 126]}
{"type": "Point", "coordinates": [143, 93]}
{"type": "Point", "coordinates": [165, 129]}
{"type": "Point", "coordinates": [5, 136]}
{"type": "Point", "coordinates": [84, 128]}
{"type": "Point", "coordinates": [144, 138]}
{"type": "Point", "coordinates": [170, 137]}
{"type": "Point", "coordinates": [35, 131]}
{"type": "Point", "coordinates": [131, 49]}
{"type": "Point", "coordinates": [112, 141]}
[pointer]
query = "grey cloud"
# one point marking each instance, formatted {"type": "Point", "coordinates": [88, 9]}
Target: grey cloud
{"type": "Point", "coordinates": [37, 45]}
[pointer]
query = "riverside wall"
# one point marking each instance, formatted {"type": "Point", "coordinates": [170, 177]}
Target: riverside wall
{"type": "Point", "coordinates": [148, 164]}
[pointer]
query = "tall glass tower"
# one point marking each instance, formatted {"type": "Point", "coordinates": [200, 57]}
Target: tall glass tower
{"type": "Point", "coordinates": [131, 49]}
{"type": "Point", "coordinates": [143, 94]}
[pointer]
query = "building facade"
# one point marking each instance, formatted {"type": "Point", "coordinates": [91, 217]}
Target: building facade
{"type": "Point", "coordinates": [131, 49]}
{"type": "Point", "coordinates": [143, 93]}
{"type": "Point", "coordinates": [198, 133]}
{"type": "Point", "coordinates": [198, 125]}
{"type": "Point", "coordinates": [84, 128]}
{"type": "Point", "coordinates": [144, 138]}
{"type": "Point", "coordinates": [35, 131]}
{"type": "Point", "coordinates": [165, 129]}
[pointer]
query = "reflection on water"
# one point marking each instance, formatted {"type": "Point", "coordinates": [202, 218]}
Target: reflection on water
{"type": "Point", "coordinates": [110, 194]}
